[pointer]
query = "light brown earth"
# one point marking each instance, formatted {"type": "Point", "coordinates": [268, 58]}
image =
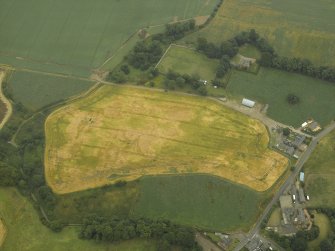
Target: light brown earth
{"type": "Point", "coordinates": [123, 133]}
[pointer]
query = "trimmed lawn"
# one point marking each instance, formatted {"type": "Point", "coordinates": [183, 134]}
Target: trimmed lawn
{"type": "Point", "coordinates": [26, 233]}
{"type": "Point", "coordinates": [199, 200]}
{"type": "Point", "coordinates": [269, 86]}
{"type": "Point", "coordinates": [188, 61]}
{"type": "Point", "coordinates": [320, 174]}
{"type": "Point", "coordinates": [322, 221]}
{"type": "Point", "coordinates": [37, 90]}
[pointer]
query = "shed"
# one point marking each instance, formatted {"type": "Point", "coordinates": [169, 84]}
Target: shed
{"type": "Point", "coordinates": [302, 176]}
{"type": "Point", "coordinates": [249, 103]}
{"type": "Point", "coordinates": [304, 124]}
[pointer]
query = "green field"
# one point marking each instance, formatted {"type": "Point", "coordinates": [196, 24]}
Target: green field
{"type": "Point", "coordinates": [272, 87]}
{"type": "Point", "coordinates": [37, 90]}
{"type": "Point", "coordinates": [199, 200]}
{"type": "Point", "coordinates": [26, 233]}
{"type": "Point", "coordinates": [67, 37]}
{"type": "Point", "coordinates": [188, 61]}
{"type": "Point", "coordinates": [299, 28]}
{"type": "Point", "coordinates": [320, 174]}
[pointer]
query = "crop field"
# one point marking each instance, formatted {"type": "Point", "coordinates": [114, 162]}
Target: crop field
{"type": "Point", "coordinates": [183, 60]}
{"type": "Point", "coordinates": [320, 174]}
{"type": "Point", "coordinates": [290, 26]}
{"type": "Point", "coordinates": [199, 200]}
{"type": "Point", "coordinates": [123, 133]}
{"type": "Point", "coordinates": [272, 87]}
{"type": "Point", "coordinates": [26, 233]}
{"type": "Point", "coordinates": [67, 37]}
{"type": "Point", "coordinates": [3, 232]}
{"type": "Point", "coordinates": [37, 90]}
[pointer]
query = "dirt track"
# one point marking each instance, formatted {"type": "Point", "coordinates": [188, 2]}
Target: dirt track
{"type": "Point", "coordinates": [5, 101]}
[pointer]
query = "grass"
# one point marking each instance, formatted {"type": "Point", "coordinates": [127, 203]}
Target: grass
{"type": "Point", "coordinates": [188, 61]}
{"type": "Point", "coordinates": [290, 26]}
{"type": "Point", "coordinates": [323, 223]}
{"type": "Point", "coordinates": [123, 133]}
{"type": "Point", "coordinates": [320, 174]}
{"type": "Point", "coordinates": [26, 233]}
{"type": "Point", "coordinates": [35, 91]}
{"type": "Point", "coordinates": [272, 87]}
{"type": "Point", "coordinates": [249, 51]}
{"type": "Point", "coordinates": [67, 37]}
{"type": "Point", "coordinates": [275, 218]}
{"type": "Point", "coordinates": [199, 200]}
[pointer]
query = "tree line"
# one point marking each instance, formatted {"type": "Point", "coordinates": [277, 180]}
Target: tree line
{"type": "Point", "coordinates": [269, 58]}
{"type": "Point", "coordinates": [114, 229]}
{"type": "Point", "coordinates": [174, 79]}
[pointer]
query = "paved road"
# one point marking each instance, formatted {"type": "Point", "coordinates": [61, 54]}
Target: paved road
{"type": "Point", "coordinates": [287, 183]}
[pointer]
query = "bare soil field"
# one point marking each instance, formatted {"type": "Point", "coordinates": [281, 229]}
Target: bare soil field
{"type": "Point", "coordinates": [123, 133]}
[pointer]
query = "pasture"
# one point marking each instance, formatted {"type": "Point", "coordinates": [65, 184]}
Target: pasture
{"type": "Point", "coordinates": [272, 87]}
{"type": "Point", "coordinates": [290, 26]}
{"type": "Point", "coordinates": [123, 133]}
{"type": "Point", "coordinates": [66, 37]}
{"type": "Point", "coordinates": [188, 61]}
{"type": "Point", "coordinates": [199, 200]}
{"type": "Point", "coordinates": [35, 91]}
{"type": "Point", "coordinates": [320, 174]}
{"type": "Point", "coordinates": [26, 233]}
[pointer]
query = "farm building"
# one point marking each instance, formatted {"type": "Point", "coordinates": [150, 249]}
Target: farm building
{"type": "Point", "coordinates": [249, 103]}
{"type": "Point", "coordinates": [302, 176]}
{"type": "Point", "coordinates": [314, 126]}
{"type": "Point", "coordinates": [301, 195]}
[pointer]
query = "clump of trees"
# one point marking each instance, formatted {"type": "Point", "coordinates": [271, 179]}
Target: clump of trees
{"type": "Point", "coordinates": [174, 80]}
{"type": "Point", "coordinates": [112, 230]}
{"type": "Point", "coordinates": [299, 242]}
{"type": "Point", "coordinates": [292, 99]}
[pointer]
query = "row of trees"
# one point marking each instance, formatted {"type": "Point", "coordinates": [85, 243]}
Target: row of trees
{"type": "Point", "coordinates": [298, 65]}
{"type": "Point", "coordinates": [268, 58]}
{"type": "Point", "coordinates": [174, 79]}
{"type": "Point", "coordinates": [112, 230]}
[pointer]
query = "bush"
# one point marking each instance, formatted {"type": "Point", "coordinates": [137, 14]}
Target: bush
{"type": "Point", "coordinates": [292, 99]}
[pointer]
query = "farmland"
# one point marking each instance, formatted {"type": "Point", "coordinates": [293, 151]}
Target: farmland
{"type": "Point", "coordinates": [187, 61]}
{"type": "Point", "coordinates": [320, 174]}
{"type": "Point", "coordinates": [26, 233]}
{"type": "Point", "coordinates": [290, 26]}
{"type": "Point", "coordinates": [67, 37]}
{"type": "Point", "coordinates": [3, 232]}
{"type": "Point", "coordinates": [272, 87]}
{"type": "Point", "coordinates": [123, 133]}
{"type": "Point", "coordinates": [199, 200]}
{"type": "Point", "coordinates": [35, 91]}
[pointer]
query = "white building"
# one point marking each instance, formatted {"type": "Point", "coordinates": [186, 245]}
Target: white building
{"type": "Point", "coordinates": [248, 103]}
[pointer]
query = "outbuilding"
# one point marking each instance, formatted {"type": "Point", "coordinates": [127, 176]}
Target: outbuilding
{"type": "Point", "coordinates": [302, 177]}
{"type": "Point", "coordinates": [248, 103]}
